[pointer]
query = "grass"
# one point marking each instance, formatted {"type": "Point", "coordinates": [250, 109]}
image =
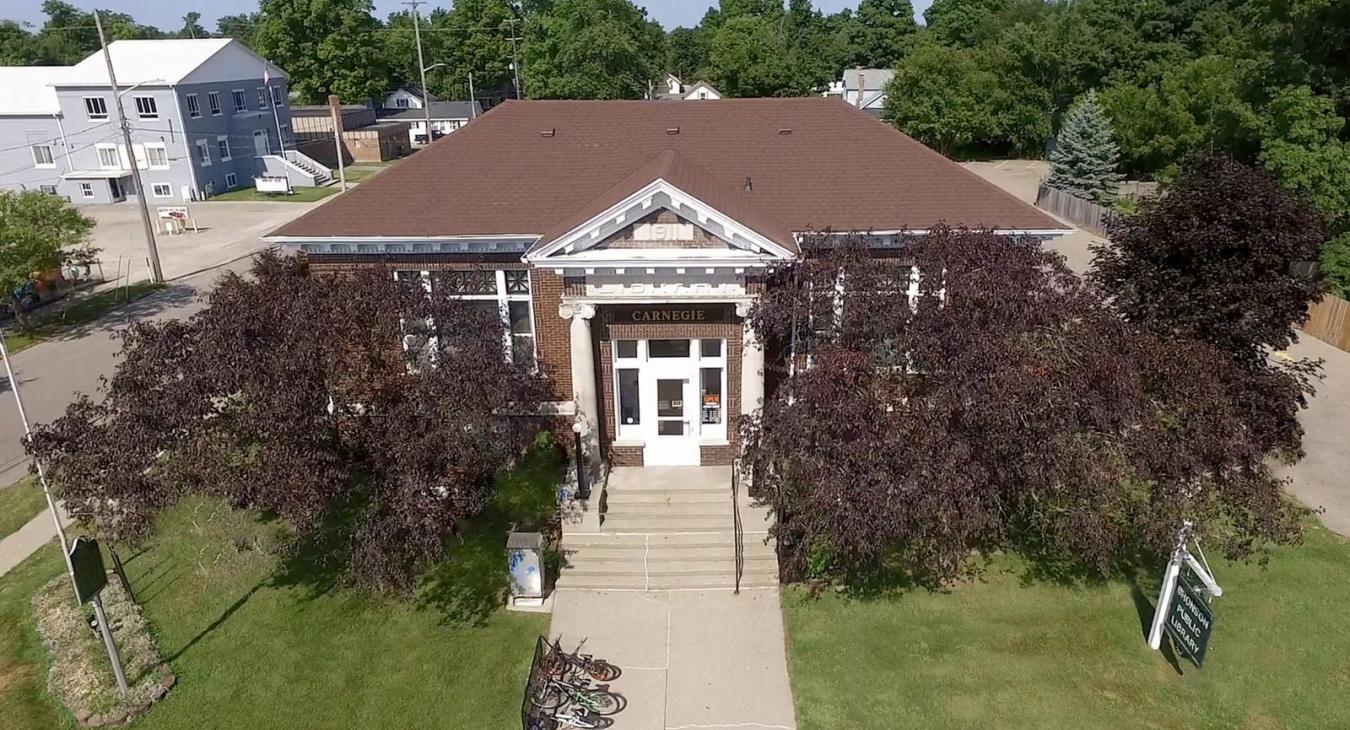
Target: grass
{"type": "Point", "coordinates": [260, 642]}
{"type": "Point", "coordinates": [357, 173]}
{"type": "Point", "coordinates": [20, 503]}
{"type": "Point", "coordinates": [1008, 653]}
{"type": "Point", "coordinates": [301, 195]}
{"type": "Point", "coordinates": [55, 319]}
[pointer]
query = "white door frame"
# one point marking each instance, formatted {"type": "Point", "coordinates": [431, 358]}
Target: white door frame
{"type": "Point", "coordinates": [668, 450]}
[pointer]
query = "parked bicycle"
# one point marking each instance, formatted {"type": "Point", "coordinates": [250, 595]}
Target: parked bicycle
{"type": "Point", "coordinates": [554, 694]}
{"type": "Point", "coordinates": [560, 664]}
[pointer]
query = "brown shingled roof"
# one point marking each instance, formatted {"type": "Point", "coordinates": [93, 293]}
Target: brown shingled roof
{"type": "Point", "coordinates": [528, 166]}
{"type": "Point", "coordinates": [672, 167]}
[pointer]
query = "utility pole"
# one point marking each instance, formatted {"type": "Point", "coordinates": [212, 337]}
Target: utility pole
{"type": "Point", "coordinates": [421, 65]}
{"type": "Point", "coordinates": [156, 273]}
{"type": "Point", "coordinates": [515, 56]}
{"type": "Point", "coordinates": [42, 473]}
{"type": "Point", "coordinates": [472, 100]}
{"type": "Point", "coordinates": [335, 108]}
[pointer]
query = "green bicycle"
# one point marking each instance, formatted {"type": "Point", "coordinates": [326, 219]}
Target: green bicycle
{"type": "Point", "coordinates": [553, 694]}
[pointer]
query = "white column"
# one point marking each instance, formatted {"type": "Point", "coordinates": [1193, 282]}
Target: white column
{"type": "Point", "coordinates": [752, 364]}
{"type": "Point", "coordinates": [583, 375]}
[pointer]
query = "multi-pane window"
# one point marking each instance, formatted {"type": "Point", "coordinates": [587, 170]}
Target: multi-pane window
{"type": "Point", "coordinates": [96, 107]}
{"type": "Point", "coordinates": [157, 156]}
{"type": "Point", "coordinates": [262, 97]}
{"type": "Point", "coordinates": [86, 190]}
{"type": "Point", "coordinates": [278, 96]}
{"type": "Point", "coordinates": [161, 190]}
{"type": "Point", "coordinates": [48, 189]}
{"type": "Point", "coordinates": [231, 180]}
{"type": "Point", "coordinates": [42, 156]}
{"type": "Point", "coordinates": [240, 101]}
{"type": "Point", "coordinates": [504, 294]}
{"type": "Point", "coordinates": [223, 147]}
{"type": "Point", "coordinates": [146, 108]}
{"type": "Point", "coordinates": [213, 98]}
{"type": "Point", "coordinates": [108, 159]}
{"type": "Point", "coordinates": [203, 152]}
{"type": "Point", "coordinates": [193, 106]}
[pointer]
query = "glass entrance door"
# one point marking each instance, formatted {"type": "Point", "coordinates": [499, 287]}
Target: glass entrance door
{"type": "Point", "coordinates": [668, 396]}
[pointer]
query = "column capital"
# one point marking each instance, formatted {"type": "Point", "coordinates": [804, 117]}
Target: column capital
{"type": "Point", "coordinates": [583, 310]}
{"type": "Point", "coordinates": [743, 309]}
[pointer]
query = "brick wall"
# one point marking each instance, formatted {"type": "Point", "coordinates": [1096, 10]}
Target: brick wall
{"type": "Point", "coordinates": [552, 334]}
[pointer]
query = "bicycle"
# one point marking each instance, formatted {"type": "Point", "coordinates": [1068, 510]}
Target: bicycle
{"type": "Point", "coordinates": [553, 694]}
{"type": "Point", "coordinates": [582, 721]}
{"type": "Point", "coordinates": [561, 663]}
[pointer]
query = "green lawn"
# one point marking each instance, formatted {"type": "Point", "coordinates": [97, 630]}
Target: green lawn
{"type": "Point", "coordinates": [1007, 653]}
{"type": "Point", "coordinates": [260, 642]}
{"type": "Point", "coordinates": [59, 317]}
{"type": "Point", "coordinates": [301, 195]}
{"type": "Point", "coordinates": [19, 503]}
{"type": "Point", "coordinates": [357, 173]}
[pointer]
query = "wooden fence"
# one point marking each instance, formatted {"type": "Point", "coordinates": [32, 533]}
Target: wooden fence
{"type": "Point", "coordinates": [1329, 321]}
{"type": "Point", "coordinates": [1076, 210]}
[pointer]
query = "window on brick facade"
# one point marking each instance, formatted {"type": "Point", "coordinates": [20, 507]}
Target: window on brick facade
{"type": "Point", "coordinates": [503, 294]}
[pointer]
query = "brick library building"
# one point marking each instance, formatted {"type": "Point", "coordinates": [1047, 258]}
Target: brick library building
{"type": "Point", "coordinates": [623, 242]}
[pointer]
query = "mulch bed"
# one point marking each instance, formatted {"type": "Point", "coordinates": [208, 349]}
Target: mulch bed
{"type": "Point", "coordinates": [81, 676]}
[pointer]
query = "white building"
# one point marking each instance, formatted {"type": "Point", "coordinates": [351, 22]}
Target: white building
{"type": "Point", "coordinates": [446, 117]}
{"type": "Point", "coordinates": [864, 88]}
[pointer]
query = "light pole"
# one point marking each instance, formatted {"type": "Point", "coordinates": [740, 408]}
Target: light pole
{"type": "Point", "coordinates": [42, 474]}
{"type": "Point", "coordinates": [426, 101]}
{"type": "Point", "coordinates": [421, 64]}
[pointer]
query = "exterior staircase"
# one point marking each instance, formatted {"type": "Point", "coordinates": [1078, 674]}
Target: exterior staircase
{"type": "Point", "coordinates": [322, 175]}
{"type": "Point", "coordinates": [668, 528]}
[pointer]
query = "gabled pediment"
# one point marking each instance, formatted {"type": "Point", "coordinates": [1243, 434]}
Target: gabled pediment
{"type": "Point", "coordinates": [648, 215]}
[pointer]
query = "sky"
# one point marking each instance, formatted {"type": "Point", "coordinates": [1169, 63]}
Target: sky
{"type": "Point", "coordinates": [167, 14]}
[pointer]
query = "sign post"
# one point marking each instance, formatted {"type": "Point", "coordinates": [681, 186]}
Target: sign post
{"type": "Point", "coordinates": [1182, 612]}
{"type": "Point", "coordinates": [90, 578]}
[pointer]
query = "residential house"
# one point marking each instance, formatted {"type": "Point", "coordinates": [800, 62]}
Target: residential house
{"type": "Point", "coordinates": [205, 116]}
{"type": "Point", "coordinates": [406, 97]}
{"type": "Point", "coordinates": [446, 117]}
{"type": "Point", "coordinates": [673, 89]}
{"type": "Point", "coordinates": [624, 245]}
{"type": "Point", "coordinates": [864, 88]}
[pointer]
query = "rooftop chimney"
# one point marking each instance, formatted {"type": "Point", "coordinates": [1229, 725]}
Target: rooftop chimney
{"type": "Point", "coordinates": [749, 184]}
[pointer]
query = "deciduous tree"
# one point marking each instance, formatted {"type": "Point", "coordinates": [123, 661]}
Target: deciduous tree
{"type": "Point", "coordinates": [290, 394]}
{"type": "Point", "coordinates": [1220, 258]}
{"type": "Point", "coordinates": [326, 47]}
{"type": "Point", "coordinates": [1005, 406]}
{"type": "Point", "coordinates": [38, 233]}
{"type": "Point", "coordinates": [592, 49]}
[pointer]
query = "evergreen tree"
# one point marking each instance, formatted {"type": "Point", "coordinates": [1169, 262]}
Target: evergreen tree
{"type": "Point", "coordinates": [1085, 158]}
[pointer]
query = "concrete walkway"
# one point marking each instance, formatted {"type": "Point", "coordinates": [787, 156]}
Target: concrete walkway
{"type": "Point", "coordinates": [17, 546]}
{"type": "Point", "coordinates": [711, 660]}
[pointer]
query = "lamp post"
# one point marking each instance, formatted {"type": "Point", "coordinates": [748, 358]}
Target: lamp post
{"type": "Point", "coordinates": [583, 486]}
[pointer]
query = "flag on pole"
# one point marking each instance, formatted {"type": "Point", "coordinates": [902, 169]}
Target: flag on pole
{"type": "Point", "coordinates": [265, 75]}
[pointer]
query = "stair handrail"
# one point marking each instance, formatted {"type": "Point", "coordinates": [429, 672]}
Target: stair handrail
{"type": "Point", "coordinates": [738, 530]}
{"type": "Point", "coordinates": [296, 156]}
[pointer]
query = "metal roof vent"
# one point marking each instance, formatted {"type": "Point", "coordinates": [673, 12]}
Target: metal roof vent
{"type": "Point", "coordinates": [749, 184]}
{"type": "Point", "coordinates": [672, 130]}
{"type": "Point", "coordinates": [551, 131]}
{"type": "Point", "coordinates": [785, 131]}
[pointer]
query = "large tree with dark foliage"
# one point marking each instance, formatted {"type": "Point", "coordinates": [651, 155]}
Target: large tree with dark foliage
{"type": "Point", "coordinates": [290, 393]}
{"type": "Point", "coordinates": [1224, 257]}
{"type": "Point", "coordinates": [992, 401]}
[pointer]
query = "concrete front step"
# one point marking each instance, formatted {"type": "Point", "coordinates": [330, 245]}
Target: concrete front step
{"type": "Point", "coordinates": [708, 509]}
{"type": "Point", "coordinates": [667, 496]}
{"type": "Point", "coordinates": [722, 551]}
{"type": "Point", "coordinates": [756, 566]}
{"type": "Point", "coordinates": [663, 524]}
{"type": "Point", "coordinates": [661, 583]}
{"type": "Point", "coordinates": [654, 541]}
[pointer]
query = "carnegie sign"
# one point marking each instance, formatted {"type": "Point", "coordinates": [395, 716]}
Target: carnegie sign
{"type": "Point", "coordinates": [674, 314]}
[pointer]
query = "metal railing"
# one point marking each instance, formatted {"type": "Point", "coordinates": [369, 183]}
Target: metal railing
{"type": "Point", "coordinates": [738, 530]}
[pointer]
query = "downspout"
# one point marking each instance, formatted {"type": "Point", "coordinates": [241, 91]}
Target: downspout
{"type": "Point", "coordinates": [187, 143]}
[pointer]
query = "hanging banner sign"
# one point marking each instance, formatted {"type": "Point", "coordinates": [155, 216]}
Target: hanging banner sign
{"type": "Point", "coordinates": [1189, 621]}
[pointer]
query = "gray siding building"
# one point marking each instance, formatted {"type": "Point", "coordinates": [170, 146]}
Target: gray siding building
{"type": "Point", "coordinates": [205, 115]}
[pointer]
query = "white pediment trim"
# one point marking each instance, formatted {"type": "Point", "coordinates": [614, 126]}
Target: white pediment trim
{"type": "Point", "coordinates": [656, 195]}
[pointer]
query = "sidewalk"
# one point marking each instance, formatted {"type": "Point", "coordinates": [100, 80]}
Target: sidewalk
{"type": "Point", "coordinates": [711, 660]}
{"type": "Point", "coordinates": [25, 541]}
